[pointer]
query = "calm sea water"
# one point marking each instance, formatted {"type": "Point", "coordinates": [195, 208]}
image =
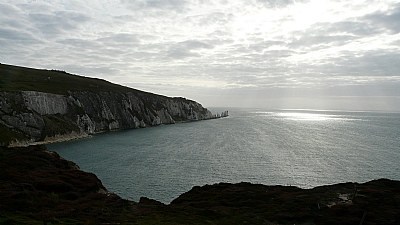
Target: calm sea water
{"type": "Point", "coordinates": [287, 147]}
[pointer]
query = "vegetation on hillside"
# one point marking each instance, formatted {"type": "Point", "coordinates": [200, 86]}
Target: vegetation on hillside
{"type": "Point", "coordinates": [15, 78]}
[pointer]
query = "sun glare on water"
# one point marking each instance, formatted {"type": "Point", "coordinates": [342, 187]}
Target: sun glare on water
{"type": "Point", "coordinates": [306, 116]}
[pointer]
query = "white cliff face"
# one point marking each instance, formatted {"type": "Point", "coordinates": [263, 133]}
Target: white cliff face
{"type": "Point", "coordinates": [188, 110]}
{"type": "Point", "coordinates": [133, 103]}
{"type": "Point", "coordinates": [106, 112]}
{"type": "Point", "coordinates": [136, 122]}
{"type": "Point", "coordinates": [156, 121]}
{"type": "Point", "coordinates": [85, 124]}
{"type": "Point", "coordinates": [114, 125]}
{"type": "Point", "coordinates": [41, 116]}
{"type": "Point", "coordinates": [165, 117]}
{"type": "Point", "coordinates": [45, 103]}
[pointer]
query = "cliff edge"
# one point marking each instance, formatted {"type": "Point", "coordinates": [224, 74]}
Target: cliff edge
{"type": "Point", "coordinates": [39, 106]}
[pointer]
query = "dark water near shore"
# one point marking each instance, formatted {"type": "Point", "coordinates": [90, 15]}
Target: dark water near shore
{"type": "Point", "coordinates": [288, 147]}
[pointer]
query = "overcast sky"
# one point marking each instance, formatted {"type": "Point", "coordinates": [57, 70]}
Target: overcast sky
{"type": "Point", "coordinates": [317, 54]}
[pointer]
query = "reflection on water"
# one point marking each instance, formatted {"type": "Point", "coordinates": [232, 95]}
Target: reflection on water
{"type": "Point", "coordinates": [307, 116]}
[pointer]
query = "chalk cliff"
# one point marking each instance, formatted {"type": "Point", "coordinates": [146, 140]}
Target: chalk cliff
{"type": "Point", "coordinates": [38, 114]}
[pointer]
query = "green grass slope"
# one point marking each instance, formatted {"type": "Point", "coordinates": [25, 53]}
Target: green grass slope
{"type": "Point", "coordinates": [15, 78]}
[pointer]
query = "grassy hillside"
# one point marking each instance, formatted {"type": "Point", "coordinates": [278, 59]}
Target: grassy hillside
{"type": "Point", "coordinates": [15, 78]}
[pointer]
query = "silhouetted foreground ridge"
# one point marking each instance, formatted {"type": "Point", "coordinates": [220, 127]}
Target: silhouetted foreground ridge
{"type": "Point", "coordinates": [39, 187]}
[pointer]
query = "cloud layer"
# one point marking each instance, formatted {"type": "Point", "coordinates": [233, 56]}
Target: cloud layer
{"type": "Point", "coordinates": [241, 53]}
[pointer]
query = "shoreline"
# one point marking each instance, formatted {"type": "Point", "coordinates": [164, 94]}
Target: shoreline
{"type": "Point", "coordinates": [76, 136]}
{"type": "Point", "coordinates": [49, 140]}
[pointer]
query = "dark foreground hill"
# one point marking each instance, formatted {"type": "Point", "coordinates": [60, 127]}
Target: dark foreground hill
{"type": "Point", "coordinates": [50, 105]}
{"type": "Point", "coordinates": [39, 187]}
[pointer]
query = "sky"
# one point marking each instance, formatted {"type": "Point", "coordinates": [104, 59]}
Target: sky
{"type": "Point", "coordinates": [305, 54]}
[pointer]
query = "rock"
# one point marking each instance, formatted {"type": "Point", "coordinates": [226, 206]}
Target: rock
{"type": "Point", "coordinates": [45, 186]}
{"type": "Point", "coordinates": [144, 201]}
{"type": "Point", "coordinates": [86, 124]}
{"type": "Point", "coordinates": [45, 103]}
{"type": "Point", "coordinates": [347, 203]}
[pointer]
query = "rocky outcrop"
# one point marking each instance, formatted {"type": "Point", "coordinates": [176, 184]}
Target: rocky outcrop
{"type": "Point", "coordinates": [374, 202]}
{"type": "Point", "coordinates": [222, 115]}
{"type": "Point", "coordinates": [46, 186]}
{"type": "Point", "coordinates": [31, 116]}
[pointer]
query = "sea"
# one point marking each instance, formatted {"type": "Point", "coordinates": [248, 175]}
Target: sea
{"type": "Point", "coordinates": [304, 148]}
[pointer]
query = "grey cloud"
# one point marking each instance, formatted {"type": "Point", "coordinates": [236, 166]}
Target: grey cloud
{"type": "Point", "coordinates": [262, 45]}
{"type": "Point", "coordinates": [354, 68]}
{"type": "Point", "coordinates": [309, 41]}
{"type": "Point", "coordinates": [34, 6]}
{"type": "Point", "coordinates": [119, 38]}
{"type": "Point", "coordinates": [323, 35]}
{"type": "Point", "coordinates": [357, 27]}
{"type": "Point", "coordinates": [164, 3]}
{"type": "Point", "coordinates": [16, 52]}
{"type": "Point", "coordinates": [80, 43]}
{"type": "Point", "coordinates": [124, 18]}
{"type": "Point", "coordinates": [11, 17]}
{"type": "Point", "coordinates": [397, 43]}
{"type": "Point", "coordinates": [179, 53]}
{"type": "Point", "coordinates": [56, 23]}
{"type": "Point", "coordinates": [278, 53]}
{"type": "Point", "coordinates": [279, 3]}
{"type": "Point", "coordinates": [194, 44]}
{"type": "Point", "coordinates": [215, 18]}
{"type": "Point", "coordinates": [220, 33]}
{"type": "Point", "coordinates": [259, 54]}
{"type": "Point", "coordinates": [18, 36]}
{"type": "Point", "coordinates": [370, 89]}
{"type": "Point", "coordinates": [99, 71]}
{"type": "Point", "coordinates": [8, 10]}
{"type": "Point", "coordinates": [378, 63]}
{"type": "Point", "coordinates": [389, 20]}
{"type": "Point", "coordinates": [14, 24]}
{"type": "Point", "coordinates": [142, 56]}
{"type": "Point", "coordinates": [241, 72]}
{"type": "Point", "coordinates": [184, 49]}
{"type": "Point", "coordinates": [62, 53]}
{"type": "Point", "coordinates": [156, 4]}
